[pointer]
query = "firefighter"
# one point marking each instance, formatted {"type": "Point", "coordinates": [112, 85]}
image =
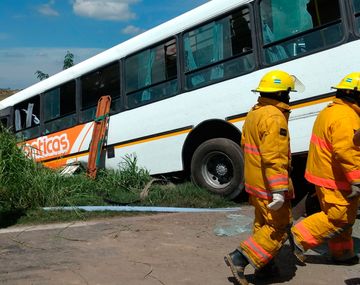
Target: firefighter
{"type": "Point", "coordinates": [266, 145]}
{"type": "Point", "coordinates": [333, 166]}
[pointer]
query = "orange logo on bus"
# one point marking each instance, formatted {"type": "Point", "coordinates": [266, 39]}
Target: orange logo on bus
{"type": "Point", "coordinates": [48, 146]}
{"type": "Point", "coordinates": [57, 144]}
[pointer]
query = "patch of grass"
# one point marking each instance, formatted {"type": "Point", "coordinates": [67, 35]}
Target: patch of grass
{"type": "Point", "coordinates": [39, 216]}
{"type": "Point", "coordinates": [185, 195]}
{"type": "Point", "coordinates": [26, 186]}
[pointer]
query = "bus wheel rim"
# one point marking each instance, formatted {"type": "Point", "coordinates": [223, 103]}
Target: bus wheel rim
{"type": "Point", "coordinates": [217, 169]}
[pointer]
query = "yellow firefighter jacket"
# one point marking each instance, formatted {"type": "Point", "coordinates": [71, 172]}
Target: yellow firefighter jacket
{"type": "Point", "coordinates": [333, 159]}
{"type": "Point", "coordinates": [266, 145]}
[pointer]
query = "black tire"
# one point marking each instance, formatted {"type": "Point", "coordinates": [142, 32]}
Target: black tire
{"type": "Point", "coordinates": [218, 166]}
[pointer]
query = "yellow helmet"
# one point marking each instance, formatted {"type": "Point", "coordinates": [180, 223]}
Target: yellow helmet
{"type": "Point", "coordinates": [350, 82]}
{"type": "Point", "coordinates": [275, 81]}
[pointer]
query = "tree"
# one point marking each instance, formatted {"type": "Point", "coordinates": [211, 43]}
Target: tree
{"type": "Point", "coordinates": [41, 75]}
{"type": "Point", "coordinates": [68, 62]}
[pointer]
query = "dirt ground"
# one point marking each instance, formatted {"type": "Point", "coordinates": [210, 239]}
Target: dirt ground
{"type": "Point", "coordinates": [175, 248]}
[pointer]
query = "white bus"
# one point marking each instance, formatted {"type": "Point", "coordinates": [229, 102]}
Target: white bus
{"type": "Point", "coordinates": [180, 91]}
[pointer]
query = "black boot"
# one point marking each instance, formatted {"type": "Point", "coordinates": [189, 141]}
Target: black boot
{"type": "Point", "coordinates": [349, 261]}
{"type": "Point", "coordinates": [237, 263]}
{"type": "Point", "coordinates": [269, 270]}
{"type": "Point", "coordinates": [298, 252]}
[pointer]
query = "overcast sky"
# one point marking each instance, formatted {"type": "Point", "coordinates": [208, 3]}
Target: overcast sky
{"type": "Point", "coordinates": [35, 35]}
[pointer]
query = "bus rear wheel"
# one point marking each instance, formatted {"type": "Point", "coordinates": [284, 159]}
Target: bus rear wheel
{"type": "Point", "coordinates": [218, 166]}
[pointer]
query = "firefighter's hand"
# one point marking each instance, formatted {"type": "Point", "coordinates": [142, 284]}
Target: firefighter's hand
{"type": "Point", "coordinates": [277, 201]}
{"type": "Point", "coordinates": [355, 191]}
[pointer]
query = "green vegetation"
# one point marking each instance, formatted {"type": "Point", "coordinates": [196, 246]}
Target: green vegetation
{"type": "Point", "coordinates": [26, 187]}
{"type": "Point", "coordinates": [41, 75]}
{"type": "Point", "coordinates": [68, 62]}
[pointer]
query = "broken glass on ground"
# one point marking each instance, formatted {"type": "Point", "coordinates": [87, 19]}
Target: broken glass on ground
{"type": "Point", "coordinates": [234, 224]}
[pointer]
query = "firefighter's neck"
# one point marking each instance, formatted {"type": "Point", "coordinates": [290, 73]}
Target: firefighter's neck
{"type": "Point", "coordinates": [351, 103]}
{"type": "Point", "coordinates": [283, 107]}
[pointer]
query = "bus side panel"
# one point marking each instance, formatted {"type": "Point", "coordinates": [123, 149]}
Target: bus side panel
{"type": "Point", "coordinates": [54, 149]}
{"type": "Point", "coordinates": [300, 125]}
{"type": "Point", "coordinates": [158, 155]}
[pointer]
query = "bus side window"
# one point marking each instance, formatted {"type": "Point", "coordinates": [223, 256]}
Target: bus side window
{"type": "Point", "coordinates": [356, 7]}
{"type": "Point", "coordinates": [3, 123]}
{"type": "Point", "coordinates": [103, 81]}
{"type": "Point", "coordinates": [27, 118]}
{"type": "Point", "coordinates": [218, 50]}
{"type": "Point", "coordinates": [151, 75]}
{"type": "Point", "coordinates": [281, 19]}
{"type": "Point", "coordinates": [60, 107]}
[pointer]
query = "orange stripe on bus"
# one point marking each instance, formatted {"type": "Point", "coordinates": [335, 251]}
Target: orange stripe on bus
{"type": "Point", "coordinates": [310, 103]}
{"type": "Point", "coordinates": [153, 138]}
{"type": "Point", "coordinates": [296, 106]}
{"type": "Point", "coordinates": [90, 126]}
{"type": "Point", "coordinates": [76, 156]}
{"type": "Point", "coordinates": [237, 119]}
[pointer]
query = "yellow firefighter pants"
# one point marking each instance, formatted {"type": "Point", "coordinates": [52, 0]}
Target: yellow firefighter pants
{"type": "Point", "coordinates": [332, 224]}
{"type": "Point", "coordinates": [269, 232]}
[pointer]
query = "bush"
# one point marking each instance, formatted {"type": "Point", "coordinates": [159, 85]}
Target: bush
{"type": "Point", "coordinates": [25, 184]}
{"type": "Point", "coordinates": [16, 172]}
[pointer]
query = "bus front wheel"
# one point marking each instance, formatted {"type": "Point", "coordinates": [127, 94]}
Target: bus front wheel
{"type": "Point", "coordinates": [218, 166]}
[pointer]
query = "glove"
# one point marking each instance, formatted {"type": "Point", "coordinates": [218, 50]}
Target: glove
{"type": "Point", "coordinates": [355, 191]}
{"type": "Point", "coordinates": [278, 200]}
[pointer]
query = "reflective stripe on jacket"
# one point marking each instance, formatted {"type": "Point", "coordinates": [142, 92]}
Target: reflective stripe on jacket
{"type": "Point", "coordinates": [266, 145]}
{"type": "Point", "coordinates": [333, 160]}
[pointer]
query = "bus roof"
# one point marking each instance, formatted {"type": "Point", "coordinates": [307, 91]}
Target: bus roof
{"type": "Point", "coordinates": [161, 32]}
